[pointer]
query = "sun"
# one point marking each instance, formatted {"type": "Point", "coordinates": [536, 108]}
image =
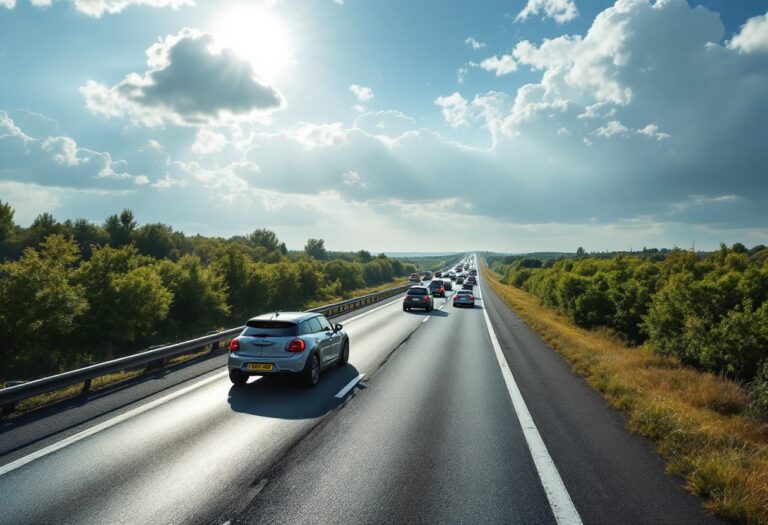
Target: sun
{"type": "Point", "coordinates": [256, 34]}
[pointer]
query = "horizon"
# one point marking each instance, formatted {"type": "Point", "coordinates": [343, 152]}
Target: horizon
{"type": "Point", "coordinates": [527, 127]}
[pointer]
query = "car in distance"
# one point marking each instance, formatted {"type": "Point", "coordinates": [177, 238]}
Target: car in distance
{"type": "Point", "coordinates": [472, 279]}
{"type": "Point", "coordinates": [414, 278]}
{"type": "Point", "coordinates": [473, 272]}
{"type": "Point", "coordinates": [438, 274]}
{"type": "Point", "coordinates": [437, 288]}
{"type": "Point", "coordinates": [464, 298]}
{"type": "Point", "coordinates": [427, 276]}
{"type": "Point", "coordinates": [418, 297]}
{"type": "Point", "coordinates": [448, 284]}
{"type": "Point", "coordinates": [286, 344]}
{"type": "Point", "coordinates": [460, 279]}
{"type": "Point", "coordinates": [468, 286]}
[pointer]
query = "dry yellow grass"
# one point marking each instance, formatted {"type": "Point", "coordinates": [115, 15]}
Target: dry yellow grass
{"type": "Point", "coordinates": [701, 422]}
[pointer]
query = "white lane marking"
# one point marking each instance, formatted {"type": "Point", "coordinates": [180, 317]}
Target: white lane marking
{"type": "Point", "coordinates": [559, 500]}
{"type": "Point", "coordinates": [425, 320]}
{"type": "Point", "coordinates": [343, 392]}
{"type": "Point", "coordinates": [5, 469]}
{"type": "Point", "coordinates": [355, 318]}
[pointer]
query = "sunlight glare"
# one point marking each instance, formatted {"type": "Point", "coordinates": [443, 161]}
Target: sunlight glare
{"type": "Point", "coordinates": [260, 37]}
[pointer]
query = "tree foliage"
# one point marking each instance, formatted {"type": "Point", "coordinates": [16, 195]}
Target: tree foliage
{"type": "Point", "coordinates": [707, 311]}
{"type": "Point", "coordinates": [76, 291]}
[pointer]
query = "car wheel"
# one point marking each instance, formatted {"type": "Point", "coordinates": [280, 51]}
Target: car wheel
{"type": "Point", "coordinates": [311, 374]}
{"type": "Point", "coordinates": [344, 356]}
{"type": "Point", "coordinates": [405, 308]}
{"type": "Point", "coordinates": [237, 377]}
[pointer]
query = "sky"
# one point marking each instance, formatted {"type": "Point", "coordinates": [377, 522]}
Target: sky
{"type": "Point", "coordinates": [398, 125]}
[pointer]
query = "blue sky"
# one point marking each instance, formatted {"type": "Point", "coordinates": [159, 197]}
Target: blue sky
{"type": "Point", "coordinates": [400, 125]}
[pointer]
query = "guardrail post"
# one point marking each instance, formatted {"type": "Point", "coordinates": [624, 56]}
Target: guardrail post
{"type": "Point", "coordinates": [86, 388]}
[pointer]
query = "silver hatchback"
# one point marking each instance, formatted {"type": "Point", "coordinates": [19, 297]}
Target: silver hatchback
{"type": "Point", "coordinates": [287, 344]}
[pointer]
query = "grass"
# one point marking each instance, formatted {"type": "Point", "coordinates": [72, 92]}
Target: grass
{"type": "Point", "coordinates": [702, 424]}
{"type": "Point", "coordinates": [36, 402]}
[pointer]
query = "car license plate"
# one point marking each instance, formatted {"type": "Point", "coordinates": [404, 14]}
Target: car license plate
{"type": "Point", "coordinates": [260, 367]}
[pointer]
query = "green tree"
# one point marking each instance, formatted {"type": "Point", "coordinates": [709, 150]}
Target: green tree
{"type": "Point", "coordinates": [120, 228]}
{"type": "Point", "coordinates": [39, 307]}
{"type": "Point", "coordinates": [264, 238]}
{"type": "Point", "coordinates": [155, 240]}
{"type": "Point", "coordinates": [127, 297]}
{"type": "Point", "coordinates": [7, 227]}
{"type": "Point", "coordinates": [315, 248]}
{"type": "Point", "coordinates": [199, 296]}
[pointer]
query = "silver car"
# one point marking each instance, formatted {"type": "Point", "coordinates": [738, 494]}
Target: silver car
{"type": "Point", "coordinates": [464, 298]}
{"type": "Point", "coordinates": [287, 344]}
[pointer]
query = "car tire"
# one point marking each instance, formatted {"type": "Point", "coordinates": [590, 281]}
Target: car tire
{"type": "Point", "coordinates": [344, 355]}
{"type": "Point", "coordinates": [311, 374]}
{"type": "Point", "coordinates": [237, 377]}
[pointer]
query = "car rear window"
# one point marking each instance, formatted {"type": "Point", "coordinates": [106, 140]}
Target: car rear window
{"type": "Point", "coordinates": [417, 291]}
{"type": "Point", "coordinates": [465, 292]}
{"type": "Point", "coordinates": [270, 328]}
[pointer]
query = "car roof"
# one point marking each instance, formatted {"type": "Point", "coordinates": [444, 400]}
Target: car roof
{"type": "Point", "coordinates": [417, 287]}
{"type": "Point", "coordinates": [284, 316]}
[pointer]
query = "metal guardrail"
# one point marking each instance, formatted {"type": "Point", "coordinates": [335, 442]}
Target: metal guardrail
{"type": "Point", "coordinates": [13, 394]}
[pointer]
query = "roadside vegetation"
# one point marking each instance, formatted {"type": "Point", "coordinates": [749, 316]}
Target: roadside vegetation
{"type": "Point", "coordinates": [679, 342]}
{"type": "Point", "coordinates": [75, 292]}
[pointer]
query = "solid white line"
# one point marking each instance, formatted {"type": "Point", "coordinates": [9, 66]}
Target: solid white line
{"type": "Point", "coordinates": [343, 392]}
{"type": "Point", "coordinates": [425, 320]}
{"type": "Point", "coordinates": [559, 500]}
{"type": "Point", "coordinates": [5, 469]}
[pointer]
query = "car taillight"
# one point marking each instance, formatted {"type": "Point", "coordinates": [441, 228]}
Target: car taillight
{"type": "Point", "coordinates": [472, 297]}
{"type": "Point", "coordinates": [455, 296]}
{"type": "Point", "coordinates": [234, 345]}
{"type": "Point", "coordinates": [297, 345]}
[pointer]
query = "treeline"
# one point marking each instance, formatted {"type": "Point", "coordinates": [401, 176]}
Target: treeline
{"type": "Point", "coordinates": [74, 292]}
{"type": "Point", "coordinates": [710, 311]}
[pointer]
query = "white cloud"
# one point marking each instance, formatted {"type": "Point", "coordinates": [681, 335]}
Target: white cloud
{"type": "Point", "coordinates": [612, 128]}
{"type": "Point", "coordinates": [316, 136]}
{"type": "Point", "coordinates": [455, 109]}
{"type": "Point", "coordinates": [560, 10]}
{"type": "Point", "coordinates": [141, 180]}
{"type": "Point", "coordinates": [56, 160]}
{"type": "Point", "coordinates": [363, 93]}
{"type": "Point", "coordinates": [189, 82]}
{"type": "Point", "coordinates": [753, 36]}
{"type": "Point", "coordinates": [353, 179]}
{"type": "Point", "coordinates": [474, 44]}
{"type": "Point", "coordinates": [208, 141]}
{"type": "Point", "coordinates": [501, 65]}
{"type": "Point", "coordinates": [98, 8]}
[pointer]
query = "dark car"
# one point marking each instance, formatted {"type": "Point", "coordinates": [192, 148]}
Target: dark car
{"type": "Point", "coordinates": [448, 286]}
{"type": "Point", "coordinates": [472, 279]}
{"type": "Point", "coordinates": [418, 297]}
{"type": "Point", "coordinates": [437, 287]}
{"type": "Point", "coordinates": [468, 286]}
{"type": "Point", "coordinates": [438, 274]}
{"type": "Point", "coordinates": [460, 280]}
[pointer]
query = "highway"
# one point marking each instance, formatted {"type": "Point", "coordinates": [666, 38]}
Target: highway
{"type": "Point", "coordinates": [433, 433]}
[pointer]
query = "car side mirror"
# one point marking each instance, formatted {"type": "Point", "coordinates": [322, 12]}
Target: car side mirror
{"type": "Point", "coordinates": [337, 327]}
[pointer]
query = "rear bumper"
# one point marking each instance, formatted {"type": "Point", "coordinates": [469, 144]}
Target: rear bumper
{"type": "Point", "coordinates": [421, 304]}
{"type": "Point", "coordinates": [281, 365]}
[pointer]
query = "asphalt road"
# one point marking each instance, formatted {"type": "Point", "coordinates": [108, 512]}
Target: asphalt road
{"type": "Point", "coordinates": [430, 435]}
